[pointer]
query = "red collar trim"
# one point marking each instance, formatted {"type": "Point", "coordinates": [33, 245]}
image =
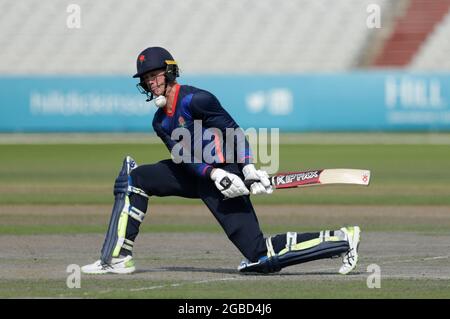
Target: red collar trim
{"type": "Point", "coordinates": [174, 103]}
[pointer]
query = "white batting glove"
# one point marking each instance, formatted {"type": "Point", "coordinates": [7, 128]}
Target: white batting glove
{"type": "Point", "coordinates": [261, 187]}
{"type": "Point", "coordinates": [230, 185]}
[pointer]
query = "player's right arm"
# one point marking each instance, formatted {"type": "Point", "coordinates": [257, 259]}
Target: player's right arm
{"type": "Point", "coordinates": [230, 185]}
{"type": "Point", "coordinates": [206, 107]}
{"type": "Point", "coordinates": [201, 169]}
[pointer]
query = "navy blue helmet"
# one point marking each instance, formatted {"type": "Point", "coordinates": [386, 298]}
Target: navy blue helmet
{"type": "Point", "coordinates": [155, 58]}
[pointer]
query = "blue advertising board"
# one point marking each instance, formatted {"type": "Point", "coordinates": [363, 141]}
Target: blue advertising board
{"type": "Point", "coordinates": [357, 101]}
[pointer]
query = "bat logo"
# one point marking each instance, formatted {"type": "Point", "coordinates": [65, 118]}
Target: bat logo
{"type": "Point", "coordinates": [132, 164]}
{"type": "Point", "coordinates": [299, 177]}
{"type": "Point", "coordinates": [365, 178]}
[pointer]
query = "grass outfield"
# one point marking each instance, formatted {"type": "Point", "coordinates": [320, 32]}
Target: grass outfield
{"type": "Point", "coordinates": [254, 288]}
{"type": "Point", "coordinates": [84, 174]}
{"type": "Point", "coordinates": [55, 201]}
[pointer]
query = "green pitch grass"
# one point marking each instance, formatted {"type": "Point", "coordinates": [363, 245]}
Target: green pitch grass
{"type": "Point", "coordinates": [84, 174]}
{"type": "Point", "coordinates": [252, 289]}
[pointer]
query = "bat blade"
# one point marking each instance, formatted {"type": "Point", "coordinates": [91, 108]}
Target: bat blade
{"type": "Point", "coordinates": [321, 177]}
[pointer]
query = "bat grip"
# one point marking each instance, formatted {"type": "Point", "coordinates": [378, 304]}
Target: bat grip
{"type": "Point", "coordinates": [249, 182]}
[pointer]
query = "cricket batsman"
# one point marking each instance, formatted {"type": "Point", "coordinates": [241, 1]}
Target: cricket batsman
{"type": "Point", "coordinates": [220, 185]}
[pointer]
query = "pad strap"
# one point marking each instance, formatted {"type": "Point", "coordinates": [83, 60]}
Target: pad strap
{"type": "Point", "coordinates": [128, 244]}
{"type": "Point", "coordinates": [135, 213]}
{"type": "Point", "coordinates": [291, 240]}
{"type": "Point", "coordinates": [270, 251]}
{"type": "Point", "coordinates": [324, 235]}
{"type": "Point", "coordinates": [132, 189]}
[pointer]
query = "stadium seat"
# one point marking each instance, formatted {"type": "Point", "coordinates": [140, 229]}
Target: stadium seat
{"type": "Point", "coordinates": [215, 36]}
{"type": "Point", "coordinates": [435, 52]}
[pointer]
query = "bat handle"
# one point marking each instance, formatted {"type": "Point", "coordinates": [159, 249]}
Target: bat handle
{"type": "Point", "coordinates": [249, 182]}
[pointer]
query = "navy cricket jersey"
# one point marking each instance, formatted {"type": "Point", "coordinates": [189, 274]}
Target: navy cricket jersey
{"type": "Point", "coordinates": [191, 104]}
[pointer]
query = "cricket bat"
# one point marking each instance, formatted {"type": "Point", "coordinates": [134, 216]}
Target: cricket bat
{"type": "Point", "coordinates": [318, 177]}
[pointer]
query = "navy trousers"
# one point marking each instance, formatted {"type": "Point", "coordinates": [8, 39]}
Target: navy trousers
{"type": "Point", "coordinates": [236, 215]}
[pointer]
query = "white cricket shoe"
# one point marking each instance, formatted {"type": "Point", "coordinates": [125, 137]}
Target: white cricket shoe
{"type": "Point", "coordinates": [350, 258]}
{"type": "Point", "coordinates": [124, 265]}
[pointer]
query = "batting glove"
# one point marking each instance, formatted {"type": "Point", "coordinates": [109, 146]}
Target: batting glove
{"type": "Point", "coordinates": [263, 185]}
{"type": "Point", "coordinates": [230, 185]}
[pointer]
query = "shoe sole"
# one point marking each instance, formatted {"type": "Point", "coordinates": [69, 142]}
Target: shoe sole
{"type": "Point", "coordinates": [356, 238]}
{"type": "Point", "coordinates": [104, 272]}
{"type": "Point", "coordinates": [122, 271]}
